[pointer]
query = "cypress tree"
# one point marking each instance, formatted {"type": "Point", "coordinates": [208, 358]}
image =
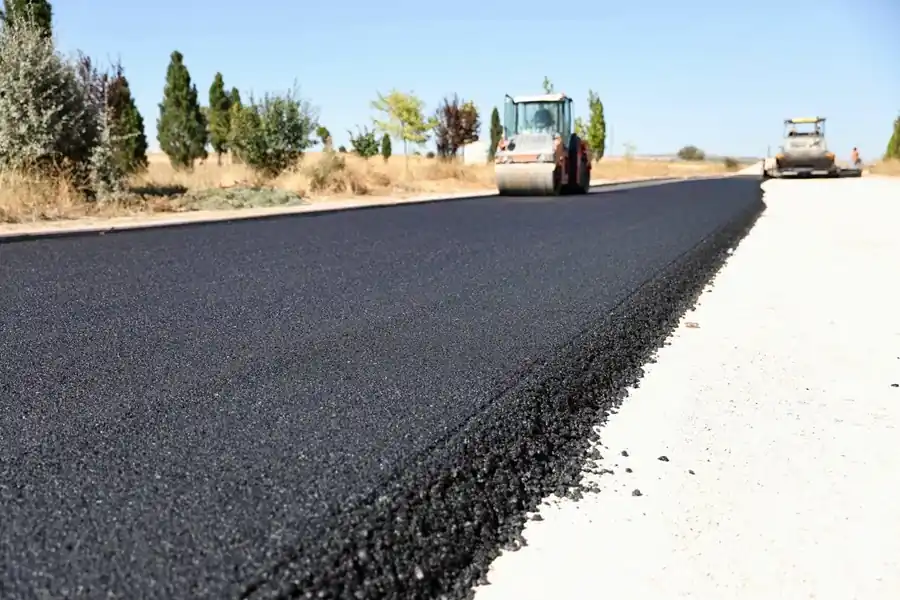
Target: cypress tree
{"type": "Point", "coordinates": [38, 11]}
{"type": "Point", "coordinates": [219, 117]}
{"type": "Point", "coordinates": [130, 139]}
{"type": "Point", "coordinates": [181, 128]}
{"type": "Point", "coordinates": [234, 97]}
{"type": "Point", "coordinates": [596, 128]}
{"type": "Point", "coordinates": [235, 108]}
{"type": "Point", "coordinates": [386, 147]}
{"type": "Point", "coordinates": [496, 132]}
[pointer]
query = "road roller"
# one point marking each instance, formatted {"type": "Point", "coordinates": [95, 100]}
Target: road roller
{"type": "Point", "coordinates": [540, 154]}
{"type": "Point", "coordinates": [804, 152]}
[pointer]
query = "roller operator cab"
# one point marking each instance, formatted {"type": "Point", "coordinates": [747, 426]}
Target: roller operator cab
{"type": "Point", "coordinates": [804, 151]}
{"type": "Point", "coordinates": [539, 153]}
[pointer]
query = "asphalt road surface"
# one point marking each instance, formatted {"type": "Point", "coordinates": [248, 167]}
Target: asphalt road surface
{"type": "Point", "coordinates": [353, 405]}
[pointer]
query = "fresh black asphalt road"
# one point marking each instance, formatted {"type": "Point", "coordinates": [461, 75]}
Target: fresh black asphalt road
{"type": "Point", "coordinates": [199, 412]}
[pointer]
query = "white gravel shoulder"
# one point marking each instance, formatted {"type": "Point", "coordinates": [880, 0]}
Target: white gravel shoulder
{"type": "Point", "coordinates": [777, 393]}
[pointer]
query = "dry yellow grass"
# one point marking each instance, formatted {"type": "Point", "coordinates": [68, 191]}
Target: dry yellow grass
{"type": "Point", "coordinates": [319, 176]}
{"type": "Point", "coordinates": [887, 167]}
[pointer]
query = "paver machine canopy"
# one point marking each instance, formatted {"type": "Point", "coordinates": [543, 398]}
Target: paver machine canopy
{"type": "Point", "coordinates": [540, 154]}
{"type": "Point", "coordinates": [804, 127]}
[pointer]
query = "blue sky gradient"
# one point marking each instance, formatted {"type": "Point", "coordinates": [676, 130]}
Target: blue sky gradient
{"type": "Point", "coordinates": [719, 75]}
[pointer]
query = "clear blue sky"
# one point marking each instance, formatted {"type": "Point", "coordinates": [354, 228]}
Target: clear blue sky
{"type": "Point", "coordinates": [720, 75]}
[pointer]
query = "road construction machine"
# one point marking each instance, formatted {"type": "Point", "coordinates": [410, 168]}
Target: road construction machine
{"type": "Point", "coordinates": [540, 154]}
{"type": "Point", "coordinates": [804, 152]}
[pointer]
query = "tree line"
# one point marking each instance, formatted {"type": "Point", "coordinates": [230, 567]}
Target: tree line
{"type": "Point", "coordinates": [59, 113]}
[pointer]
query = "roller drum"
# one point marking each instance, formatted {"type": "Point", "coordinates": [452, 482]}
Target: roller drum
{"type": "Point", "coordinates": [526, 179]}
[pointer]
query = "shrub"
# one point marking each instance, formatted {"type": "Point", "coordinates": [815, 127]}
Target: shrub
{"type": "Point", "coordinates": [731, 164]}
{"type": "Point", "coordinates": [691, 153]}
{"type": "Point", "coordinates": [272, 134]}
{"type": "Point", "coordinates": [365, 144]}
{"type": "Point", "coordinates": [45, 116]}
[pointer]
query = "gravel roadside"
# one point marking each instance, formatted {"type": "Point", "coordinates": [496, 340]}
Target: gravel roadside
{"type": "Point", "coordinates": [760, 456]}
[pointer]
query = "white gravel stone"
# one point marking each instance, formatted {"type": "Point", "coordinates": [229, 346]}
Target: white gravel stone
{"type": "Point", "coordinates": [776, 391]}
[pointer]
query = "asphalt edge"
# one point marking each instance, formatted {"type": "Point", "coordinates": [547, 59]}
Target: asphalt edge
{"type": "Point", "coordinates": [11, 238]}
{"type": "Point", "coordinates": [436, 530]}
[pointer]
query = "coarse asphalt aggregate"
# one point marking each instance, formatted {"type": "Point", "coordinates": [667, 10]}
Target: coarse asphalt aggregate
{"type": "Point", "coordinates": [360, 404]}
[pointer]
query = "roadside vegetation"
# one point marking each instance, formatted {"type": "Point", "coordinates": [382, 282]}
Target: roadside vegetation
{"type": "Point", "coordinates": [73, 142]}
{"type": "Point", "coordinates": [890, 165]}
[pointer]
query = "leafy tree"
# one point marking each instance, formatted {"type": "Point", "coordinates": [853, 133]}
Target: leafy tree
{"type": "Point", "coordinates": [181, 128]}
{"type": "Point", "coordinates": [596, 128]}
{"type": "Point", "coordinates": [386, 147]}
{"type": "Point", "coordinates": [271, 135]}
{"type": "Point", "coordinates": [219, 117]}
{"type": "Point", "coordinates": [496, 133]}
{"type": "Point", "coordinates": [324, 136]}
{"type": "Point", "coordinates": [403, 118]}
{"type": "Point", "coordinates": [38, 12]}
{"type": "Point", "coordinates": [691, 153]}
{"type": "Point", "coordinates": [365, 144]}
{"type": "Point", "coordinates": [893, 148]}
{"type": "Point", "coordinates": [455, 125]}
{"type": "Point", "coordinates": [548, 85]}
{"type": "Point", "coordinates": [342, 149]}
{"type": "Point", "coordinates": [45, 112]}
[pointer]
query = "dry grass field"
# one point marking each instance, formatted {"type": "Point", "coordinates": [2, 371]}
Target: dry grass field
{"type": "Point", "coordinates": [887, 167]}
{"type": "Point", "coordinates": [319, 176]}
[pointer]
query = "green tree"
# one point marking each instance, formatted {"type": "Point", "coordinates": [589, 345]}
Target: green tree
{"type": "Point", "coordinates": [181, 128]}
{"type": "Point", "coordinates": [548, 85]}
{"type": "Point", "coordinates": [365, 144]}
{"type": "Point", "coordinates": [219, 117]}
{"type": "Point", "coordinates": [893, 148]}
{"type": "Point", "coordinates": [496, 133]}
{"type": "Point", "coordinates": [403, 118]}
{"type": "Point", "coordinates": [128, 138]}
{"type": "Point", "coordinates": [386, 147]}
{"type": "Point", "coordinates": [324, 136]}
{"type": "Point", "coordinates": [271, 135]}
{"type": "Point", "coordinates": [40, 12]}
{"type": "Point", "coordinates": [596, 128]}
